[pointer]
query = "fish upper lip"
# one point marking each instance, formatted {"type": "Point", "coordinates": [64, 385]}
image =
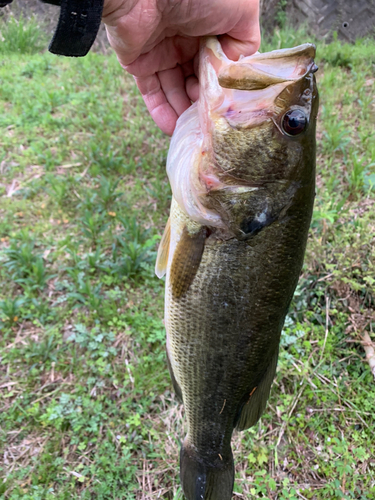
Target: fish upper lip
{"type": "Point", "coordinates": [304, 48]}
{"type": "Point", "coordinates": [260, 70]}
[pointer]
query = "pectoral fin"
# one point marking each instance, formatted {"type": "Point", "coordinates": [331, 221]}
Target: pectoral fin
{"type": "Point", "coordinates": [255, 402]}
{"type": "Point", "coordinates": [186, 260]}
{"type": "Point", "coordinates": [163, 251]}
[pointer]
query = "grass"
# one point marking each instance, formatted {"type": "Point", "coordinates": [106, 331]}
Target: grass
{"type": "Point", "coordinates": [86, 409]}
{"type": "Point", "coordinates": [24, 36]}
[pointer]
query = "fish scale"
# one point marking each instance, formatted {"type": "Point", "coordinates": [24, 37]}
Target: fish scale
{"type": "Point", "coordinates": [218, 316]}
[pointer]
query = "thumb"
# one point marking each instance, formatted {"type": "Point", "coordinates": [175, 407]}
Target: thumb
{"type": "Point", "coordinates": [234, 48]}
{"type": "Point", "coordinates": [244, 37]}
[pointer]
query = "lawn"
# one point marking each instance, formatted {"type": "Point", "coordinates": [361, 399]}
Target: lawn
{"type": "Point", "coordinates": [86, 407]}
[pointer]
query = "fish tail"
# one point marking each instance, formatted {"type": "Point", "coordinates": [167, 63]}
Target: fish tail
{"type": "Point", "coordinates": [206, 479]}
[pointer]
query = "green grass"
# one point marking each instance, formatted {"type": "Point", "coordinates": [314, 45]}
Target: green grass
{"type": "Point", "coordinates": [23, 36]}
{"type": "Point", "coordinates": [86, 408]}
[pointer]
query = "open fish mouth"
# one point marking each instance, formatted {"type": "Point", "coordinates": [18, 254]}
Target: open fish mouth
{"type": "Point", "coordinates": [244, 93]}
{"type": "Point", "coordinates": [274, 91]}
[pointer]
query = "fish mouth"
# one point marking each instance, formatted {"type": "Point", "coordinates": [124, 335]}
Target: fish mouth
{"type": "Point", "coordinates": [245, 93]}
{"type": "Point", "coordinates": [260, 90]}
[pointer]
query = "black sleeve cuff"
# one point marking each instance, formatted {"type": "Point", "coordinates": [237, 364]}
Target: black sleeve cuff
{"type": "Point", "coordinates": [77, 28]}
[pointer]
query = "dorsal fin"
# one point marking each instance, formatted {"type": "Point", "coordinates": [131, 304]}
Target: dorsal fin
{"type": "Point", "coordinates": [163, 251]}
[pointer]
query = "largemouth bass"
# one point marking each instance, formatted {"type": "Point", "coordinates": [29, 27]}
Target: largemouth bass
{"type": "Point", "coordinates": [242, 169]}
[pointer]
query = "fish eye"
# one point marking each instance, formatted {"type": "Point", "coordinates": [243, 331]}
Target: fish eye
{"type": "Point", "coordinates": [294, 122]}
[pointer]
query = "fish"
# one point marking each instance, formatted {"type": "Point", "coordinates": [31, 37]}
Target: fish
{"type": "Point", "coordinates": [241, 165]}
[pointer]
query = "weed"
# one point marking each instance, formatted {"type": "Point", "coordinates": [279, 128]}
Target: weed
{"type": "Point", "coordinates": [87, 293]}
{"type": "Point", "coordinates": [366, 102]}
{"type": "Point", "coordinates": [104, 157]}
{"type": "Point", "coordinates": [20, 258]}
{"type": "Point", "coordinates": [26, 267]}
{"type": "Point", "coordinates": [358, 172]}
{"type": "Point", "coordinates": [107, 194]}
{"type": "Point", "coordinates": [133, 249]}
{"type": "Point", "coordinates": [37, 67]}
{"type": "Point", "coordinates": [130, 257]}
{"type": "Point", "coordinates": [58, 188]}
{"type": "Point", "coordinates": [280, 17]}
{"type": "Point", "coordinates": [338, 54]}
{"type": "Point", "coordinates": [22, 35]}
{"type": "Point", "coordinates": [93, 224]}
{"type": "Point", "coordinates": [283, 37]}
{"type": "Point", "coordinates": [42, 353]}
{"type": "Point", "coordinates": [99, 345]}
{"type": "Point", "coordinates": [336, 137]}
{"type": "Point", "coordinates": [10, 310]}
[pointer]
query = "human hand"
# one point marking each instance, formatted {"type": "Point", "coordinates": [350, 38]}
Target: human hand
{"type": "Point", "coordinates": [157, 41]}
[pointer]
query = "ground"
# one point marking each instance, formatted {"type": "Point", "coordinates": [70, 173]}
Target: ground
{"type": "Point", "coordinates": [87, 409]}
